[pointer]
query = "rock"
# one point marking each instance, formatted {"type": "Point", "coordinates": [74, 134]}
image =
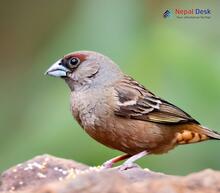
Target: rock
{"type": "Point", "coordinates": [37, 172]}
{"type": "Point", "coordinates": [48, 174]}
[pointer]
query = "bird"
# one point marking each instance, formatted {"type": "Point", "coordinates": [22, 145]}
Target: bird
{"type": "Point", "coordinates": [122, 114]}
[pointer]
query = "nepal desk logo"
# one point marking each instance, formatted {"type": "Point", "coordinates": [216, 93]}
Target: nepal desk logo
{"type": "Point", "coordinates": [167, 14]}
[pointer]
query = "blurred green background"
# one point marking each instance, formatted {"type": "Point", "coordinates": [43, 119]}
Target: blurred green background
{"type": "Point", "coordinates": [178, 59]}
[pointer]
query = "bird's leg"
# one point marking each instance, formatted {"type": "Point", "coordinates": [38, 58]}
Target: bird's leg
{"type": "Point", "coordinates": [109, 163]}
{"type": "Point", "coordinates": [130, 162]}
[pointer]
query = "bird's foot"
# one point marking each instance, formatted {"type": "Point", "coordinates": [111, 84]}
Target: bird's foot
{"type": "Point", "coordinates": [108, 164]}
{"type": "Point", "coordinates": [111, 162]}
{"type": "Point", "coordinates": [127, 166]}
{"type": "Point", "coordinates": [130, 162]}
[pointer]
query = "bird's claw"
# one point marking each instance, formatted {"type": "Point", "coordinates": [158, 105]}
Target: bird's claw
{"type": "Point", "coordinates": [107, 165]}
{"type": "Point", "coordinates": [127, 166]}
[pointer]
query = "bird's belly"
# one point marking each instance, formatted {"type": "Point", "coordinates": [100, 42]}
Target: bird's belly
{"type": "Point", "coordinates": [127, 135]}
{"type": "Point", "coordinates": [132, 136]}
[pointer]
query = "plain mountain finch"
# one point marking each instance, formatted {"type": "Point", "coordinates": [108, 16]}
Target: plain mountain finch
{"type": "Point", "coordinates": [122, 114]}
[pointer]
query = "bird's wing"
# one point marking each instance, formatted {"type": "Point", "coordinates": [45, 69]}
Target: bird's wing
{"type": "Point", "coordinates": [134, 101]}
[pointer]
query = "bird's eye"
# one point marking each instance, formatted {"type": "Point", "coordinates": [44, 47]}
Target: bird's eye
{"type": "Point", "coordinates": [73, 62]}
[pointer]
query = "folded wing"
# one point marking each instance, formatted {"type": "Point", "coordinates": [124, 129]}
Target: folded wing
{"type": "Point", "coordinates": [136, 102]}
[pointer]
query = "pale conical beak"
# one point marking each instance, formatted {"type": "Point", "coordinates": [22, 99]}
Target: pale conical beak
{"type": "Point", "coordinates": [57, 70]}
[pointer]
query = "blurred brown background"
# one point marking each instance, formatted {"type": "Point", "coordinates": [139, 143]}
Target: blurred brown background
{"type": "Point", "coordinates": [177, 59]}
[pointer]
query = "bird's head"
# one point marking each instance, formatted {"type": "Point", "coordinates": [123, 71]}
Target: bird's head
{"type": "Point", "coordinates": [83, 69]}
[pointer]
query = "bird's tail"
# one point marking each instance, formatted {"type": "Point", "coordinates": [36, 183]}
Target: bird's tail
{"type": "Point", "coordinates": [194, 133]}
{"type": "Point", "coordinates": [210, 133]}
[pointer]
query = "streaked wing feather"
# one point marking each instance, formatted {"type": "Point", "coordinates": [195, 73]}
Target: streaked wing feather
{"type": "Point", "coordinates": [136, 102]}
